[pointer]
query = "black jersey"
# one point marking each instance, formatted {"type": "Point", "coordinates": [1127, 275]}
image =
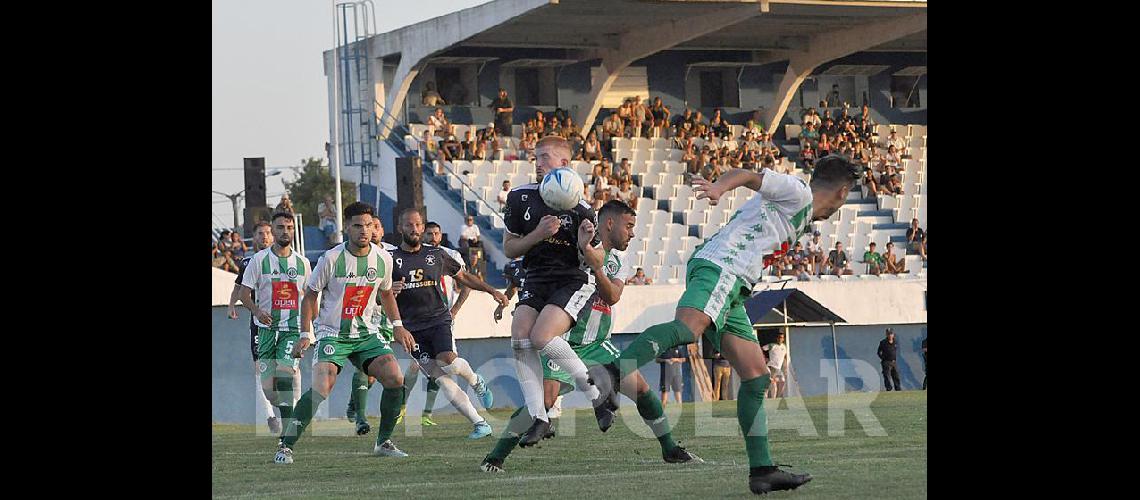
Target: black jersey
{"type": "Point", "coordinates": [241, 272]}
{"type": "Point", "coordinates": [422, 304]}
{"type": "Point", "coordinates": [515, 273]}
{"type": "Point", "coordinates": [555, 259]}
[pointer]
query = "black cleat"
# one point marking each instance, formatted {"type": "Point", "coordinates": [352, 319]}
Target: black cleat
{"type": "Point", "coordinates": [535, 434]}
{"type": "Point", "coordinates": [679, 455]}
{"type": "Point", "coordinates": [362, 427]}
{"type": "Point", "coordinates": [549, 432]}
{"type": "Point", "coordinates": [492, 465]}
{"type": "Point", "coordinates": [774, 479]}
{"type": "Point", "coordinates": [605, 411]}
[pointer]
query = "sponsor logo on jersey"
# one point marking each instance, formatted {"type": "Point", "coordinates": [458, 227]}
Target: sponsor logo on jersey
{"type": "Point", "coordinates": [430, 259]}
{"type": "Point", "coordinates": [355, 300]}
{"type": "Point", "coordinates": [567, 222]}
{"type": "Point", "coordinates": [524, 197]}
{"type": "Point", "coordinates": [370, 275]}
{"type": "Point", "coordinates": [284, 295]}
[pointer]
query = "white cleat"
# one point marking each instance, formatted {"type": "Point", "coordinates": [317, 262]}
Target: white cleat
{"type": "Point", "coordinates": [284, 456]}
{"type": "Point", "coordinates": [387, 449]}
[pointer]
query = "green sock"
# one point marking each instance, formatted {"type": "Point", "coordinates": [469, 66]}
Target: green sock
{"type": "Point", "coordinates": [432, 391]}
{"type": "Point", "coordinates": [302, 415]}
{"type": "Point", "coordinates": [753, 421]}
{"type": "Point", "coordinates": [284, 388]}
{"type": "Point", "coordinates": [519, 423]}
{"type": "Point", "coordinates": [649, 407]}
{"type": "Point", "coordinates": [650, 343]}
{"type": "Point", "coordinates": [359, 398]}
{"type": "Point", "coordinates": [391, 400]}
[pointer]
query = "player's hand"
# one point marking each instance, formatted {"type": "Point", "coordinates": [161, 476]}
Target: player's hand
{"type": "Point", "coordinates": [404, 337]}
{"type": "Point", "coordinates": [300, 346]}
{"type": "Point", "coordinates": [501, 299]}
{"type": "Point", "coordinates": [548, 226]}
{"type": "Point", "coordinates": [499, 316]}
{"type": "Point", "coordinates": [397, 286]}
{"type": "Point", "coordinates": [264, 317]}
{"type": "Point", "coordinates": [707, 190]}
{"type": "Point", "coordinates": [585, 234]}
{"type": "Point", "coordinates": [232, 313]}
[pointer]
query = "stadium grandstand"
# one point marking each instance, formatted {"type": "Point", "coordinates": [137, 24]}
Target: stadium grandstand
{"type": "Point", "coordinates": [747, 84]}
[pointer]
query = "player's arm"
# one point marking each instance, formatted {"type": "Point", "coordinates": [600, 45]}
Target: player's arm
{"type": "Point", "coordinates": [401, 334]}
{"type": "Point", "coordinates": [467, 280]}
{"type": "Point", "coordinates": [727, 182]}
{"type": "Point", "coordinates": [463, 293]}
{"type": "Point", "coordinates": [609, 289]}
{"type": "Point", "coordinates": [235, 294]}
{"type": "Point", "coordinates": [248, 281]}
{"type": "Point", "coordinates": [509, 293]}
{"type": "Point", "coordinates": [515, 246]}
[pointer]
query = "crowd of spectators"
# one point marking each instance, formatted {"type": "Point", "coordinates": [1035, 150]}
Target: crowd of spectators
{"type": "Point", "coordinates": [228, 250]}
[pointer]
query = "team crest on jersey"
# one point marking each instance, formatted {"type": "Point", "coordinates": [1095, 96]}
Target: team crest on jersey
{"type": "Point", "coordinates": [329, 349]}
{"type": "Point", "coordinates": [524, 197]}
{"type": "Point", "coordinates": [292, 273]}
{"type": "Point", "coordinates": [430, 259]}
{"type": "Point", "coordinates": [261, 366]}
{"type": "Point", "coordinates": [371, 274]}
{"type": "Point", "coordinates": [525, 295]}
{"type": "Point", "coordinates": [612, 268]}
{"type": "Point", "coordinates": [567, 222]}
{"type": "Point", "coordinates": [424, 357]}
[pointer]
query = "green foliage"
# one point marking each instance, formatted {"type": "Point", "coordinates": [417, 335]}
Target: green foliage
{"type": "Point", "coordinates": [310, 188]}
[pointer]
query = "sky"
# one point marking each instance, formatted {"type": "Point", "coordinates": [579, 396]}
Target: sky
{"type": "Point", "coordinates": [269, 92]}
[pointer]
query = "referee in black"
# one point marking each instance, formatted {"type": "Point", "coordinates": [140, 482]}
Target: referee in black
{"type": "Point", "coordinates": [888, 358]}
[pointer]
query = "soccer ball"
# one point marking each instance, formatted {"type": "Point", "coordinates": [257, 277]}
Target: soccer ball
{"type": "Point", "coordinates": [561, 189]}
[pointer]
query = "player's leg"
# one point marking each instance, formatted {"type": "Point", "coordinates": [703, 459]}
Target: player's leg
{"type": "Point", "coordinates": [527, 362]}
{"type": "Point", "coordinates": [331, 355]}
{"type": "Point", "coordinates": [270, 418]}
{"type": "Point", "coordinates": [358, 401]}
{"type": "Point", "coordinates": [379, 362]}
{"type": "Point", "coordinates": [556, 318]}
{"type": "Point", "coordinates": [520, 421]}
{"type": "Point", "coordinates": [429, 402]}
{"type": "Point", "coordinates": [885, 368]}
{"type": "Point", "coordinates": [430, 341]}
{"type": "Point", "coordinates": [739, 344]}
{"type": "Point", "coordinates": [459, 368]}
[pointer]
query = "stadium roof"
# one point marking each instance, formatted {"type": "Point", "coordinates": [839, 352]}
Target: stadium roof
{"type": "Point", "coordinates": [801, 307]}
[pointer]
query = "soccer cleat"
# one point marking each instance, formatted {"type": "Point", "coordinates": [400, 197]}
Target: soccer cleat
{"type": "Point", "coordinates": [679, 455]}
{"type": "Point", "coordinates": [483, 391]}
{"type": "Point", "coordinates": [774, 479]}
{"type": "Point", "coordinates": [426, 421]}
{"type": "Point", "coordinates": [535, 433]}
{"type": "Point", "coordinates": [362, 427]}
{"type": "Point", "coordinates": [284, 455]}
{"type": "Point", "coordinates": [400, 417]}
{"type": "Point", "coordinates": [492, 465]}
{"type": "Point", "coordinates": [604, 412]}
{"type": "Point", "coordinates": [481, 429]}
{"type": "Point", "coordinates": [387, 449]}
{"type": "Point", "coordinates": [550, 432]}
{"type": "Point", "coordinates": [274, 425]}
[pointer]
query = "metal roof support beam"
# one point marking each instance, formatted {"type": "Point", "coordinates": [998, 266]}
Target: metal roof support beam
{"type": "Point", "coordinates": [647, 41]}
{"type": "Point", "coordinates": [829, 46]}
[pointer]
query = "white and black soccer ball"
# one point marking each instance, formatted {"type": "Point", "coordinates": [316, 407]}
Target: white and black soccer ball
{"type": "Point", "coordinates": [561, 189]}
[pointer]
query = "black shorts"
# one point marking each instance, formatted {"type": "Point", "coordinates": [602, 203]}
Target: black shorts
{"type": "Point", "coordinates": [432, 341]}
{"type": "Point", "coordinates": [571, 296]}
{"type": "Point", "coordinates": [253, 340]}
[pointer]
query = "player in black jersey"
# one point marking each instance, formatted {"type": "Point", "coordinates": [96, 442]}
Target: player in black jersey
{"type": "Point", "coordinates": [514, 273]}
{"type": "Point", "coordinates": [557, 286]}
{"type": "Point", "coordinates": [262, 239]}
{"type": "Point", "coordinates": [426, 315]}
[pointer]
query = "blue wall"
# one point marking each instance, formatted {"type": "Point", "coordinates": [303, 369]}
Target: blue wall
{"type": "Point", "coordinates": [233, 377]}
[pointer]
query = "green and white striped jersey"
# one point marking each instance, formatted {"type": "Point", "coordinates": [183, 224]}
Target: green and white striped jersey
{"type": "Point", "coordinates": [595, 321]}
{"type": "Point", "coordinates": [348, 286]}
{"type": "Point", "coordinates": [277, 282]}
{"type": "Point", "coordinates": [768, 223]}
{"type": "Point", "coordinates": [378, 316]}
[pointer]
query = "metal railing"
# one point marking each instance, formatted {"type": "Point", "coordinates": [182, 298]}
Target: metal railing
{"type": "Point", "coordinates": [463, 186]}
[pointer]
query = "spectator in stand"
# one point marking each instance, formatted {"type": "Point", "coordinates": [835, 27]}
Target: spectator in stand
{"type": "Point", "coordinates": [481, 150]}
{"type": "Point", "coordinates": [837, 261]}
{"type": "Point", "coordinates": [576, 149]}
{"type": "Point", "coordinates": [873, 259]}
{"type": "Point", "coordinates": [503, 108]}
{"type": "Point", "coordinates": [808, 135]}
{"type": "Point", "coordinates": [894, 140]}
{"type": "Point", "coordinates": [238, 248]}
{"type": "Point", "coordinates": [639, 278]}
{"type": "Point", "coordinates": [625, 194]}
{"type": "Point", "coordinates": [285, 205]}
{"type": "Point", "coordinates": [783, 265]}
{"type": "Point", "coordinates": [802, 274]}
{"type": "Point", "coordinates": [223, 257]}
{"type": "Point", "coordinates": [916, 239]}
{"type": "Point", "coordinates": [889, 182]}
{"type": "Point", "coordinates": [833, 98]}
{"type": "Point", "coordinates": [722, 377]}
{"type": "Point", "coordinates": [824, 146]}
{"type": "Point", "coordinates": [569, 129]}
{"type": "Point", "coordinates": [326, 211]}
{"type": "Point", "coordinates": [438, 124]}
{"type": "Point", "coordinates": [428, 148]}
{"type": "Point", "coordinates": [601, 182]}
{"type": "Point", "coordinates": [768, 162]}
{"type": "Point", "coordinates": [451, 149]}
{"type": "Point", "coordinates": [807, 158]}
{"type": "Point", "coordinates": [894, 264]}
{"type": "Point", "coordinates": [888, 358]}
{"type": "Point", "coordinates": [799, 255]}
{"type": "Point", "coordinates": [778, 363]}
{"type": "Point", "coordinates": [660, 115]}
{"type": "Point", "coordinates": [526, 147]}
{"type": "Point", "coordinates": [503, 194]}
{"type": "Point", "coordinates": [815, 249]}
{"type": "Point", "coordinates": [869, 183]}
{"type": "Point", "coordinates": [429, 97]}
{"type": "Point", "coordinates": [718, 124]}
{"type": "Point", "coordinates": [683, 121]}
{"type": "Point", "coordinates": [592, 149]}
{"type": "Point", "coordinates": [469, 240]}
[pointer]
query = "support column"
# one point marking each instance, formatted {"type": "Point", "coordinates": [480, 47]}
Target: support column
{"type": "Point", "coordinates": [826, 47]}
{"type": "Point", "coordinates": [410, 66]}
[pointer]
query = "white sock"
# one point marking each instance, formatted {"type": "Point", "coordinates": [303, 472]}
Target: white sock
{"type": "Point", "coordinates": [556, 410]}
{"type": "Point", "coordinates": [529, 368]}
{"type": "Point", "coordinates": [261, 396]}
{"type": "Point", "coordinates": [462, 369]}
{"type": "Point", "coordinates": [458, 398]}
{"type": "Point", "coordinates": [560, 352]}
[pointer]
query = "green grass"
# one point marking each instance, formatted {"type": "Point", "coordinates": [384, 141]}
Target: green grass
{"type": "Point", "coordinates": [617, 464]}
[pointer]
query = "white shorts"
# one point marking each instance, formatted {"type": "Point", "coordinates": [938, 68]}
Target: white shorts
{"type": "Point", "coordinates": [777, 374]}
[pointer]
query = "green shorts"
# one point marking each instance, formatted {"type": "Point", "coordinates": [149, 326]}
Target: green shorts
{"type": "Point", "coordinates": [720, 295]}
{"type": "Point", "coordinates": [275, 349]}
{"type": "Point", "coordinates": [336, 349]}
{"type": "Point", "coordinates": [595, 353]}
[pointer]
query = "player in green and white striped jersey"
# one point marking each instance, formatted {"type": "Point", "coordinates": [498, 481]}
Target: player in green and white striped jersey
{"type": "Point", "coordinates": [719, 279]}
{"type": "Point", "coordinates": [347, 276]}
{"type": "Point", "coordinates": [278, 276]}
{"type": "Point", "coordinates": [590, 340]}
{"type": "Point", "coordinates": [361, 381]}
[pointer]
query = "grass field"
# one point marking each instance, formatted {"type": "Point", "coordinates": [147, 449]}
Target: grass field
{"type": "Point", "coordinates": [617, 464]}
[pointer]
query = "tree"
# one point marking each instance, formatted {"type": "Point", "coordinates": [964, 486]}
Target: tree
{"type": "Point", "coordinates": [312, 185]}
